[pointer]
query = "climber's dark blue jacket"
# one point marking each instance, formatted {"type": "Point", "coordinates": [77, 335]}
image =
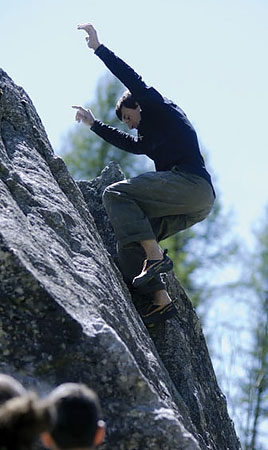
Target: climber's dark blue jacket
{"type": "Point", "coordinates": [164, 134]}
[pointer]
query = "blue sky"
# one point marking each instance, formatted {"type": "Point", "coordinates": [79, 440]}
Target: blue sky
{"type": "Point", "coordinates": [210, 56]}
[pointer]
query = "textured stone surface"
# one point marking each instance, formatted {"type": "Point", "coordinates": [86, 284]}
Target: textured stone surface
{"type": "Point", "coordinates": [66, 315]}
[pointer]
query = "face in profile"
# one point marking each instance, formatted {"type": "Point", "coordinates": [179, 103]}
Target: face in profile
{"type": "Point", "coordinates": [131, 117]}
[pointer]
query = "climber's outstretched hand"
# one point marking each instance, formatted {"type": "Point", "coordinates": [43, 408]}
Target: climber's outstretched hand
{"type": "Point", "coordinates": [92, 38]}
{"type": "Point", "coordinates": [84, 115]}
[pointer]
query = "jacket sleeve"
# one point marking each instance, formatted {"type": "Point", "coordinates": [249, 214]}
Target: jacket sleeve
{"type": "Point", "coordinates": [118, 138]}
{"type": "Point", "coordinates": [127, 75]}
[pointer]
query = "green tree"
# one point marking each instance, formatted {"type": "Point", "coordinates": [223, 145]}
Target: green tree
{"type": "Point", "coordinates": [254, 395]}
{"type": "Point", "coordinates": [85, 153]}
{"type": "Point", "coordinates": [239, 347]}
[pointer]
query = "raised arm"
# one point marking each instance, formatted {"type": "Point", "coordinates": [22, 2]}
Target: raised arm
{"type": "Point", "coordinates": [117, 66]}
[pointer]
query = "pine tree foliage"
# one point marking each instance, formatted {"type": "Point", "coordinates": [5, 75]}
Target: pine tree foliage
{"type": "Point", "coordinates": [255, 388]}
{"type": "Point", "coordinates": [242, 362]}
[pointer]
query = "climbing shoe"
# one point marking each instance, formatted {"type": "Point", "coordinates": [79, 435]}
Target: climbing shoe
{"type": "Point", "coordinates": [151, 268]}
{"type": "Point", "coordinates": [159, 313]}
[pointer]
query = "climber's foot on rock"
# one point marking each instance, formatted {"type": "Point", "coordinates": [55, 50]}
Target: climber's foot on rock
{"type": "Point", "coordinates": [159, 313]}
{"type": "Point", "coordinates": [151, 268]}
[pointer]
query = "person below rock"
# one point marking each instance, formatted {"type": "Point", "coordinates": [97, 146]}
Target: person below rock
{"type": "Point", "coordinates": [76, 418]}
{"type": "Point", "coordinates": [152, 206]}
{"type": "Point", "coordinates": [21, 418]}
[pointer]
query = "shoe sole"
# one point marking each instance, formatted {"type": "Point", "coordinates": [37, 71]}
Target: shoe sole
{"type": "Point", "coordinates": [166, 313]}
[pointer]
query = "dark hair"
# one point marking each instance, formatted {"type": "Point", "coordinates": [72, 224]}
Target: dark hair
{"type": "Point", "coordinates": [127, 100]}
{"type": "Point", "coordinates": [75, 412]}
{"type": "Point", "coordinates": [21, 422]}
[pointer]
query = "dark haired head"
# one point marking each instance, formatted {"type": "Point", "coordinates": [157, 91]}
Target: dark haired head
{"type": "Point", "coordinates": [126, 100]}
{"type": "Point", "coordinates": [21, 421]}
{"type": "Point", "coordinates": [76, 415]}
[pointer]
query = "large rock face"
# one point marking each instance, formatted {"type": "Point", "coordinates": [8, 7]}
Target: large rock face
{"type": "Point", "coordinates": [66, 315]}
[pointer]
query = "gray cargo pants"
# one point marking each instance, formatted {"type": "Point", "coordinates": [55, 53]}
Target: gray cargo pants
{"type": "Point", "coordinates": [154, 205]}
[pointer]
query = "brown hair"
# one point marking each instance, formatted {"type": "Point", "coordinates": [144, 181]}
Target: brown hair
{"type": "Point", "coordinates": [21, 421]}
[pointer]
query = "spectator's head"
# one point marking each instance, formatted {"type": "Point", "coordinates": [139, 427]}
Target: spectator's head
{"type": "Point", "coordinates": [76, 418]}
{"type": "Point", "coordinates": [21, 418]}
